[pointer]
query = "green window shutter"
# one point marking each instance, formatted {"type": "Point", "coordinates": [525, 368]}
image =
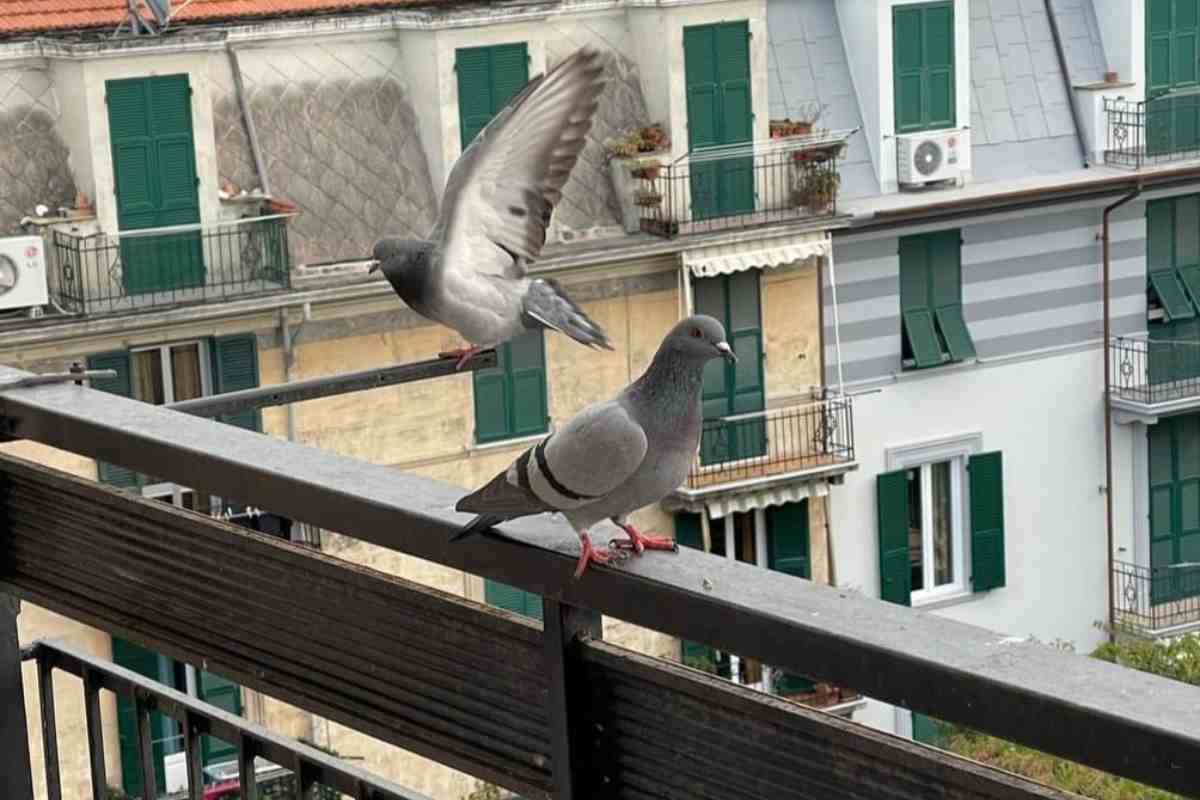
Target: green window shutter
{"type": "Point", "coordinates": [689, 533]}
{"type": "Point", "coordinates": [226, 695]}
{"type": "Point", "coordinates": [235, 367]}
{"type": "Point", "coordinates": [510, 598]}
{"type": "Point", "coordinates": [688, 530]}
{"type": "Point", "coordinates": [510, 73]}
{"type": "Point", "coordinates": [703, 90]}
{"type": "Point", "coordinates": [175, 149]}
{"type": "Point", "coordinates": [939, 64]}
{"type": "Point", "coordinates": [923, 66]}
{"type": "Point", "coordinates": [121, 385]}
{"type": "Point", "coordinates": [945, 268]}
{"type": "Point", "coordinates": [527, 364]}
{"type": "Point", "coordinates": [1171, 294]}
{"type": "Point", "coordinates": [733, 75]}
{"type": "Point", "coordinates": [162, 729]}
{"type": "Point", "coordinates": [895, 576]}
{"type": "Point", "coordinates": [491, 399]}
{"type": "Point", "coordinates": [488, 77]}
{"type": "Point", "coordinates": [917, 323]}
{"type": "Point", "coordinates": [788, 539]}
{"type": "Point", "coordinates": [908, 66]}
{"type": "Point", "coordinates": [985, 472]}
{"type": "Point", "coordinates": [922, 338]}
{"type": "Point", "coordinates": [931, 297]}
{"type": "Point", "coordinates": [1158, 51]}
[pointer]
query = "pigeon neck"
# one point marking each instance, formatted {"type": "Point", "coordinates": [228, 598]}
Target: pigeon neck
{"type": "Point", "coordinates": [670, 385]}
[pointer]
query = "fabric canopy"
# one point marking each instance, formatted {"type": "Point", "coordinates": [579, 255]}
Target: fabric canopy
{"type": "Point", "coordinates": [725, 259]}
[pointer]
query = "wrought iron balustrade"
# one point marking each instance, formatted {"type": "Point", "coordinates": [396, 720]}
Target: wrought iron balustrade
{"type": "Point", "coordinates": [106, 273]}
{"type": "Point", "coordinates": [1152, 371]}
{"type": "Point", "coordinates": [1158, 130]}
{"type": "Point", "coordinates": [1151, 600]}
{"type": "Point", "coordinates": [742, 185]}
{"type": "Point", "coordinates": [774, 442]}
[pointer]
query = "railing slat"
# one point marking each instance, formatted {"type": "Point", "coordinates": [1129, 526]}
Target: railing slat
{"type": "Point", "coordinates": [193, 755]}
{"type": "Point", "coordinates": [49, 729]}
{"type": "Point", "coordinates": [247, 777]}
{"type": "Point", "coordinates": [145, 745]}
{"type": "Point", "coordinates": [95, 734]}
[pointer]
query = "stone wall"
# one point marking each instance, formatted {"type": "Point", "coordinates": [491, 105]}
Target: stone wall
{"type": "Point", "coordinates": [34, 164]}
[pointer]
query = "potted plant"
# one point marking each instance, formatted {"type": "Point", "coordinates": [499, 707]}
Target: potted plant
{"type": "Point", "coordinates": [634, 158]}
{"type": "Point", "coordinates": [647, 198]}
{"type": "Point", "coordinates": [815, 188]}
{"type": "Point", "coordinates": [802, 125]}
{"type": "Point", "coordinates": [647, 170]}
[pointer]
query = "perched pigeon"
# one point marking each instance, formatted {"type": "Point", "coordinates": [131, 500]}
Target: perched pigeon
{"type": "Point", "coordinates": [613, 457]}
{"type": "Point", "coordinates": [470, 274]}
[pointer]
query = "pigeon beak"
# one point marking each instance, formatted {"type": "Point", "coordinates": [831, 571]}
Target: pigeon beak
{"type": "Point", "coordinates": [724, 349]}
{"type": "Point", "coordinates": [374, 265]}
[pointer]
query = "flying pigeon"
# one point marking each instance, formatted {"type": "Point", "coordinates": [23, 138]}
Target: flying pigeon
{"type": "Point", "coordinates": [613, 457]}
{"type": "Point", "coordinates": [470, 273]}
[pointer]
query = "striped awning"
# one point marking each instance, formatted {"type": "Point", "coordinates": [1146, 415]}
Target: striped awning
{"type": "Point", "coordinates": [723, 505]}
{"type": "Point", "coordinates": [726, 259]}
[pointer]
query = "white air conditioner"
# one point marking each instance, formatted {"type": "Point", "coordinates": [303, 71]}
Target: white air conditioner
{"type": "Point", "coordinates": [930, 157]}
{"type": "Point", "coordinates": [22, 272]}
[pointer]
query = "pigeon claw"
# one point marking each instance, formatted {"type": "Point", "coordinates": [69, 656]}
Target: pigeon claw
{"type": "Point", "coordinates": [639, 542]}
{"type": "Point", "coordinates": [589, 554]}
{"type": "Point", "coordinates": [463, 354]}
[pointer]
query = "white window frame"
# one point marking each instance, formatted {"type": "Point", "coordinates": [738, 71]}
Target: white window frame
{"type": "Point", "coordinates": [957, 449]}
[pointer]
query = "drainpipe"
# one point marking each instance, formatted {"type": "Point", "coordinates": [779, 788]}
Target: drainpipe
{"type": "Point", "coordinates": [247, 120]}
{"type": "Point", "coordinates": [1108, 457]}
{"type": "Point", "coordinates": [1062, 66]}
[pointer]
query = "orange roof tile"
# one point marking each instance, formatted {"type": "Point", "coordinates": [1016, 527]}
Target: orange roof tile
{"type": "Point", "coordinates": [32, 16]}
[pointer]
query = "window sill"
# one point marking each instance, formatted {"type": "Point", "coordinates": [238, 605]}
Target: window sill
{"type": "Point", "coordinates": [502, 444]}
{"type": "Point", "coordinates": [945, 601]}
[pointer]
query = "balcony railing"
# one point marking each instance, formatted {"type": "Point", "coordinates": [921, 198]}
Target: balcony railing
{"type": "Point", "coordinates": [1155, 371]}
{"type": "Point", "coordinates": [773, 443]}
{"type": "Point", "coordinates": [1154, 600]}
{"type": "Point", "coordinates": [742, 185]}
{"type": "Point", "coordinates": [159, 267]}
{"type": "Point", "coordinates": [1156, 131]}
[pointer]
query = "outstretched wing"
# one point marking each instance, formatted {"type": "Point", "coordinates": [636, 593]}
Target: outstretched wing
{"type": "Point", "coordinates": [594, 453]}
{"type": "Point", "coordinates": [502, 190]}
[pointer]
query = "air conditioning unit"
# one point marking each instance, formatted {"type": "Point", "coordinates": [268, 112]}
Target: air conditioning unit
{"type": "Point", "coordinates": [930, 157]}
{"type": "Point", "coordinates": [22, 272]}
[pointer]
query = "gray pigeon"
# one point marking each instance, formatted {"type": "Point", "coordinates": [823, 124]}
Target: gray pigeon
{"type": "Point", "coordinates": [614, 457]}
{"type": "Point", "coordinates": [470, 274]}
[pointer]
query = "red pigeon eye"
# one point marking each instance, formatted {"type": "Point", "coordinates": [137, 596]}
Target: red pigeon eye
{"type": "Point", "coordinates": [696, 334]}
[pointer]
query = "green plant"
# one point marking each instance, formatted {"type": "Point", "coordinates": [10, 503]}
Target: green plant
{"type": "Point", "coordinates": [816, 187]}
{"type": "Point", "coordinates": [647, 170]}
{"type": "Point", "coordinates": [485, 792]}
{"type": "Point", "coordinates": [647, 139]}
{"type": "Point", "coordinates": [647, 197]}
{"type": "Point", "coordinates": [1178, 658]}
{"type": "Point", "coordinates": [113, 793]}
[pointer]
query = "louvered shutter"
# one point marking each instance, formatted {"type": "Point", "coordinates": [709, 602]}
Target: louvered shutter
{"type": "Point", "coordinates": [985, 475]}
{"type": "Point", "coordinates": [235, 367]}
{"type": "Point", "coordinates": [895, 571]}
{"type": "Point", "coordinates": [120, 385]}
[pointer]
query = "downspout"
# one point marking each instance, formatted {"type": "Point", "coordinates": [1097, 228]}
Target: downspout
{"type": "Point", "coordinates": [1062, 66]}
{"type": "Point", "coordinates": [1108, 454]}
{"type": "Point", "coordinates": [247, 120]}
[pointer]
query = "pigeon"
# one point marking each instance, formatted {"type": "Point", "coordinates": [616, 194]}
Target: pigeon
{"type": "Point", "coordinates": [616, 456]}
{"type": "Point", "coordinates": [470, 274]}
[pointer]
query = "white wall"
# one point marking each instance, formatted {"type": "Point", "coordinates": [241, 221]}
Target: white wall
{"type": "Point", "coordinates": [422, 66]}
{"type": "Point", "coordinates": [1123, 32]}
{"type": "Point", "coordinates": [862, 35]}
{"type": "Point", "coordinates": [1046, 417]}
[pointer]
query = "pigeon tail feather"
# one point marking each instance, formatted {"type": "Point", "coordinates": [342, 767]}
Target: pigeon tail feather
{"type": "Point", "coordinates": [477, 525]}
{"type": "Point", "coordinates": [548, 306]}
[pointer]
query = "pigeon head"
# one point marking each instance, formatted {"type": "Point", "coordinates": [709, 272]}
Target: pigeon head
{"type": "Point", "coordinates": [405, 263]}
{"type": "Point", "coordinates": [699, 338]}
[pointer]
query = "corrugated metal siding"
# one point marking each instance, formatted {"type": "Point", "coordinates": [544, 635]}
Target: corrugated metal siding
{"type": "Point", "coordinates": [1028, 284]}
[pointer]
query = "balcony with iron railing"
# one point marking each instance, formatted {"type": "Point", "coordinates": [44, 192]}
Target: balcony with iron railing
{"type": "Point", "coordinates": [741, 185]}
{"type": "Point", "coordinates": [1155, 376]}
{"type": "Point", "coordinates": [813, 439]}
{"type": "Point", "coordinates": [1159, 130]}
{"type": "Point", "coordinates": [103, 273]}
{"type": "Point", "coordinates": [1156, 601]}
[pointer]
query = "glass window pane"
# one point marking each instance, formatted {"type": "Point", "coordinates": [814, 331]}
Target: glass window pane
{"type": "Point", "coordinates": [148, 377]}
{"type": "Point", "coordinates": [915, 545]}
{"type": "Point", "coordinates": [943, 524]}
{"type": "Point", "coordinates": [185, 371]}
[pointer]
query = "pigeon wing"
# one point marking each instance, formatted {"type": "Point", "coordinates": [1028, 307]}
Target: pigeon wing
{"type": "Point", "coordinates": [593, 454]}
{"type": "Point", "coordinates": [498, 199]}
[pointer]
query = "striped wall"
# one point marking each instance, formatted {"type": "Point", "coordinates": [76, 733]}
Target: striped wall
{"type": "Point", "coordinates": [1029, 284]}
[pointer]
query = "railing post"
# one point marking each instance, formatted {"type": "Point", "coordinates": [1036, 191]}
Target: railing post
{"type": "Point", "coordinates": [45, 670]}
{"type": "Point", "coordinates": [247, 778]}
{"type": "Point", "coordinates": [95, 734]}
{"type": "Point", "coordinates": [564, 627]}
{"type": "Point", "coordinates": [16, 779]}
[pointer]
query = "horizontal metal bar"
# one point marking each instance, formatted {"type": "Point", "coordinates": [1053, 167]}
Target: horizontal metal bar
{"type": "Point", "coordinates": [331, 771]}
{"type": "Point", "coordinates": [1126, 722]}
{"type": "Point", "coordinates": [298, 391]}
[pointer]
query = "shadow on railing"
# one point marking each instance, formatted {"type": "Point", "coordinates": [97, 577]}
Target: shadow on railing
{"type": "Point", "coordinates": [774, 442]}
{"type": "Point", "coordinates": [1159, 130]}
{"type": "Point", "coordinates": [742, 185]}
{"type": "Point", "coordinates": [1154, 599]}
{"type": "Point", "coordinates": [1155, 371]}
{"type": "Point", "coordinates": [105, 273]}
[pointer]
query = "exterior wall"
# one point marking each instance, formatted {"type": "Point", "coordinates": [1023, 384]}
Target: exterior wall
{"type": "Point", "coordinates": [791, 323]}
{"type": "Point", "coordinates": [1122, 25]}
{"type": "Point", "coordinates": [34, 158]}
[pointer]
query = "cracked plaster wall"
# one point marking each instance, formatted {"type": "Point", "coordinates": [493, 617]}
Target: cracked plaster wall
{"type": "Point", "coordinates": [34, 161]}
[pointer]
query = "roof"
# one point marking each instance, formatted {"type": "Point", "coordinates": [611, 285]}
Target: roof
{"type": "Point", "coordinates": [37, 16]}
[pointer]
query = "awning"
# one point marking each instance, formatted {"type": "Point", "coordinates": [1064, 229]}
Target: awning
{"type": "Point", "coordinates": [721, 506]}
{"type": "Point", "coordinates": [725, 259]}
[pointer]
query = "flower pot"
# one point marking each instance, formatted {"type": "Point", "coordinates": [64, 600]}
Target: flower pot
{"type": "Point", "coordinates": [279, 206]}
{"type": "Point", "coordinates": [647, 199]}
{"type": "Point", "coordinates": [625, 185]}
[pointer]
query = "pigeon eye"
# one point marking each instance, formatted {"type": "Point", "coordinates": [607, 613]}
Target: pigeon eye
{"type": "Point", "coordinates": [696, 334]}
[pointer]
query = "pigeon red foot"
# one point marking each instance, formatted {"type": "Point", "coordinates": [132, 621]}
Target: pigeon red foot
{"type": "Point", "coordinates": [463, 354]}
{"type": "Point", "coordinates": [589, 554]}
{"type": "Point", "coordinates": [638, 541]}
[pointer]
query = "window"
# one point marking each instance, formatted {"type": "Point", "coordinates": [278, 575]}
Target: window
{"type": "Point", "coordinates": [1173, 287]}
{"type": "Point", "coordinates": [941, 522]}
{"type": "Point", "coordinates": [1172, 53]}
{"type": "Point", "coordinates": [933, 329]}
{"type": "Point", "coordinates": [720, 112]}
{"type": "Point", "coordinates": [510, 398]}
{"type": "Point", "coordinates": [733, 388]}
{"type": "Point", "coordinates": [1174, 456]}
{"type": "Point", "coordinates": [488, 77]}
{"type": "Point", "coordinates": [923, 66]}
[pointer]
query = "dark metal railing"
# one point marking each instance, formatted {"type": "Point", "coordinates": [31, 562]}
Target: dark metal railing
{"type": "Point", "coordinates": [741, 185]}
{"type": "Point", "coordinates": [1155, 370]}
{"type": "Point", "coordinates": [1155, 599]}
{"type": "Point", "coordinates": [774, 442]}
{"type": "Point", "coordinates": [105, 273]}
{"type": "Point", "coordinates": [314, 774]}
{"type": "Point", "coordinates": [1159, 130]}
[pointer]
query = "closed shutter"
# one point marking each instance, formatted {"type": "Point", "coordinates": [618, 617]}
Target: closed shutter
{"type": "Point", "coordinates": [510, 598]}
{"type": "Point", "coordinates": [788, 552]}
{"type": "Point", "coordinates": [120, 385]}
{"type": "Point", "coordinates": [235, 367]}
{"type": "Point", "coordinates": [227, 696]}
{"type": "Point", "coordinates": [162, 729]}
{"type": "Point", "coordinates": [985, 475]}
{"type": "Point", "coordinates": [895, 575]}
{"type": "Point", "coordinates": [488, 77]}
{"type": "Point", "coordinates": [690, 533]}
{"type": "Point", "coordinates": [492, 399]}
{"type": "Point", "coordinates": [923, 67]}
{"type": "Point", "coordinates": [527, 363]}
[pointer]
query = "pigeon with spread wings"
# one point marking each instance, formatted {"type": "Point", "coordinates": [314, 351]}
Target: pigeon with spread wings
{"type": "Point", "coordinates": [470, 274]}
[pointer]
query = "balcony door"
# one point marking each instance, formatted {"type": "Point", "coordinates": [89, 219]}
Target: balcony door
{"type": "Point", "coordinates": [154, 170]}
{"type": "Point", "coordinates": [1172, 66]}
{"type": "Point", "coordinates": [717, 71]}
{"type": "Point", "coordinates": [1175, 507]}
{"type": "Point", "coordinates": [733, 389]}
